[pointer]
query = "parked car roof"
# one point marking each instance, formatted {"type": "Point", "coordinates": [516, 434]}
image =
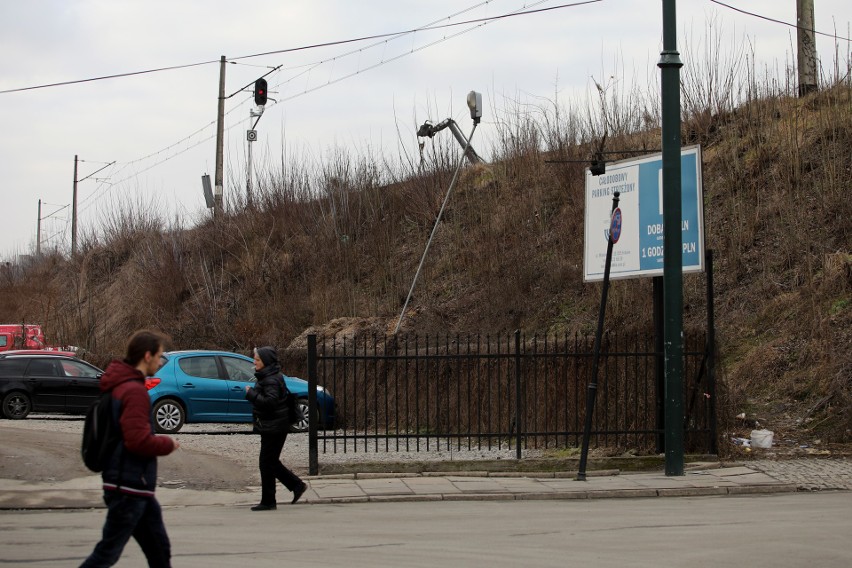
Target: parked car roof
{"type": "Point", "coordinates": [38, 352]}
{"type": "Point", "coordinates": [203, 352]}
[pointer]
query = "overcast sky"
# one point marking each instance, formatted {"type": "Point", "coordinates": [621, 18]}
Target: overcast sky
{"type": "Point", "coordinates": [159, 128]}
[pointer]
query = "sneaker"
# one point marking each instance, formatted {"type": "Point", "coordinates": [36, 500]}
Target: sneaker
{"type": "Point", "coordinates": [264, 507]}
{"type": "Point", "coordinates": [297, 494]}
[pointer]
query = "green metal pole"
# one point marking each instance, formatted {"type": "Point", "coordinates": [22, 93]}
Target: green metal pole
{"type": "Point", "coordinates": [313, 445]}
{"type": "Point", "coordinates": [670, 65]}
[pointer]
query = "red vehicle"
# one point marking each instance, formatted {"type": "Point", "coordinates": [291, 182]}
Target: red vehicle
{"type": "Point", "coordinates": [21, 336]}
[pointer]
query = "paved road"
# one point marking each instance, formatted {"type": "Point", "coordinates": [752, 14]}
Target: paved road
{"type": "Point", "coordinates": [778, 531]}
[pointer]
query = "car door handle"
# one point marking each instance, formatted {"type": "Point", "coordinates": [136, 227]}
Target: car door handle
{"type": "Point", "coordinates": [188, 386]}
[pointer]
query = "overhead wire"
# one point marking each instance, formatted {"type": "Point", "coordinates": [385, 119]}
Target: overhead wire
{"type": "Point", "coordinates": [288, 50]}
{"type": "Point", "coordinates": [104, 77]}
{"type": "Point", "coordinates": [385, 38]}
{"type": "Point", "coordinates": [430, 26]}
{"type": "Point", "coordinates": [768, 19]}
{"type": "Point", "coordinates": [385, 61]}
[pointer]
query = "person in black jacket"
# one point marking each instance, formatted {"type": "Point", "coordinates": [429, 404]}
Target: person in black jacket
{"type": "Point", "coordinates": [272, 421]}
{"type": "Point", "coordinates": [130, 477]}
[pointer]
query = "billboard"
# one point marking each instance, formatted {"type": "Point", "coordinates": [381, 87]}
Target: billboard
{"type": "Point", "coordinates": [639, 251]}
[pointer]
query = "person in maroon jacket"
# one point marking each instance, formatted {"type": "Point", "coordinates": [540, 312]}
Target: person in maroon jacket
{"type": "Point", "coordinates": [130, 477]}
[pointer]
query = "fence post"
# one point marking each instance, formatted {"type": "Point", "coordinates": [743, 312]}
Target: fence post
{"type": "Point", "coordinates": [711, 352]}
{"type": "Point", "coordinates": [518, 394]}
{"type": "Point", "coordinates": [313, 446]}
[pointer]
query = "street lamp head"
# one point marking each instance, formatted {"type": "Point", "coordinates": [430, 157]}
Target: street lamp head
{"type": "Point", "coordinates": [474, 103]}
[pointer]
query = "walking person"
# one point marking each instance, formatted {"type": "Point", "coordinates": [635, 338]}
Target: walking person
{"type": "Point", "coordinates": [272, 421]}
{"type": "Point", "coordinates": [130, 477]}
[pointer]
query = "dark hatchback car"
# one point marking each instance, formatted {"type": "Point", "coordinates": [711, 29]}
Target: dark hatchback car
{"type": "Point", "coordinates": [48, 382]}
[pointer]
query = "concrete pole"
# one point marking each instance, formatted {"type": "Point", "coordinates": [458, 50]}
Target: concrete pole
{"type": "Point", "coordinates": [74, 212]}
{"type": "Point", "coordinates": [220, 147]}
{"type": "Point", "coordinates": [38, 231]}
{"type": "Point", "coordinates": [670, 65]}
{"type": "Point", "coordinates": [806, 47]}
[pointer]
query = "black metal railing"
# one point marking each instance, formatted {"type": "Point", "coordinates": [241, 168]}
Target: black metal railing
{"type": "Point", "coordinates": [413, 393]}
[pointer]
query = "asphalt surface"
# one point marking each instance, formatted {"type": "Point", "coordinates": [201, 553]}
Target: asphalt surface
{"type": "Point", "coordinates": [757, 513]}
{"type": "Point", "coordinates": [85, 492]}
{"type": "Point", "coordinates": [772, 530]}
{"type": "Point", "coordinates": [774, 514]}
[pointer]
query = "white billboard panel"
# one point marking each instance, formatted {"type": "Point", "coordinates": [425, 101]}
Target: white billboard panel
{"type": "Point", "coordinates": [639, 251]}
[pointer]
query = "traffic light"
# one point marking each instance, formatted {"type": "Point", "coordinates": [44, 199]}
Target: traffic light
{"type": "Point", "coordinates": [260, 92]}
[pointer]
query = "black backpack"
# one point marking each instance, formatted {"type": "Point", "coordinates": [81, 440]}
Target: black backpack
{"type": "Point", "coordinates": [289, 404]}
{"type": "Point", "coordinates": [101, 433]}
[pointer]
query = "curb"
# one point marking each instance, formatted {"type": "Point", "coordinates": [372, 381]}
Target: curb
{"type": "Point", "coordinates": [95, 501]}
{"type": "Point", "coordinates": [567, 496]}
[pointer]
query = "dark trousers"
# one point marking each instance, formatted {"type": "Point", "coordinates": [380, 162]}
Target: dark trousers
{"type": "Point", "coordinates": [139, 517]}
{"type": "Point", "coordinates": [271, 468]}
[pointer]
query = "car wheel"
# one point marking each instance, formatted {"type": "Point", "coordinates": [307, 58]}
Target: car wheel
{"type": "Point", "coordinates": [169, 416]}
{"type": "Point", "coordinates": [301, 423]}
{"type": "Point", "coordinates": [16, 405]}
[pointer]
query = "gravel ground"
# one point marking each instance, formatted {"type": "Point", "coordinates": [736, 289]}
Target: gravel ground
{"type": "Point", "coordinates": [224, 456]}
{"type": "Point", "coordinates": [237, 443]}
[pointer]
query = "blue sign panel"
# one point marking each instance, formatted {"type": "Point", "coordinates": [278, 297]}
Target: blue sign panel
{"type": "Point", "coordinates": [615, 226]}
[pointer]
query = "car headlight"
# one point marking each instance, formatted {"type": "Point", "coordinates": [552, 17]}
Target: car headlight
{"type": "Point", "coordinates": [320, 389]}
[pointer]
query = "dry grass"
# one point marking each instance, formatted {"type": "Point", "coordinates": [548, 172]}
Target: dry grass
{"type": "Point", "coordinates": [342, 238]}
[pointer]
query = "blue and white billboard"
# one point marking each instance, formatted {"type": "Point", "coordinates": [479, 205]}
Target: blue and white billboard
{"type": "Point", "coordinates": [639, 251]}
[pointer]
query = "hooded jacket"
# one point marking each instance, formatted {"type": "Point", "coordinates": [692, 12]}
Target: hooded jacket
{"type": "Point", "coordinates": [132, 468]}
{"type": "Point", "coordinates": [269, 396]}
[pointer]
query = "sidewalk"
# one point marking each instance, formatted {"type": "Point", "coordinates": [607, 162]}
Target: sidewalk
{"type": "Point", "coordinates": [708, 479]}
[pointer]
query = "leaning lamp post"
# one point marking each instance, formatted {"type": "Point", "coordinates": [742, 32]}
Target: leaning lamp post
{"type": "Point", "coordinates": [474, 103]}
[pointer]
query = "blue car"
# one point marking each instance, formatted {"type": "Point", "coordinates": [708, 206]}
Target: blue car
{"type": "Point", "coordinates": [209, 386]}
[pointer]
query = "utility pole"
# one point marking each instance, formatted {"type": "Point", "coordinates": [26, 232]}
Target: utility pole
{"type": "Point", "coordinates": [806, 47]}
{"type": "Point", "coordinates": [38, 231]}
{"type": "Point", "coordinates": [74, 212]}
{"type": "Point", "coordinates": [74, 202]}
{"type": "Point", "coordinates": [220, 134]}
{"type": "Point", "coordinates": [670, 65]}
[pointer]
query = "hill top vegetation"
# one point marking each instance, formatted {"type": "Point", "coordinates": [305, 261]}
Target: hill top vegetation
{"type": "Point", "coordinates": [333, 246]}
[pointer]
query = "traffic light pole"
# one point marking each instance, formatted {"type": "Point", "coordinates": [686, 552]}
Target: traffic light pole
{"type": "Point", "coordinates": [220, 147]}
{"type": "Point", "coordinates": [251, 136]}
{"type": "Point", "coordinates": [250, 139]}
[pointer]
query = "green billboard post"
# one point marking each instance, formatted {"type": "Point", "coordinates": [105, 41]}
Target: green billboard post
{"type": "Point", "coordinates": [670, 65]}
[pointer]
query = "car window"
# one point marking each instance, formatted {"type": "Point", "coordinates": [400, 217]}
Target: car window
{"type": "Point", "coordinates": [42, 368]}
{"type": "Point", "coordinates": [204, 366]}
{"type": "Point", "coordinates": [12, 367]}
{"type": "Point", "coordinates": [4, 341]}
{"type": "Point", "coordinates": [239, 369]}
{"type": "Point", "coordinates": [77, 369]}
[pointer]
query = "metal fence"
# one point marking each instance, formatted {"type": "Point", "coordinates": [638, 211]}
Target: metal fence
{"type": "Point", "coordinates": [413, 393]}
